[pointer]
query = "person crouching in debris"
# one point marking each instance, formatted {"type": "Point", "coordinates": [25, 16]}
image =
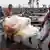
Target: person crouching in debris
{"type": "Point", "coordinates": [8, 11]}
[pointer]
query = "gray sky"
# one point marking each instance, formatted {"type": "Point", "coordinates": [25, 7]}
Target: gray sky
{"type": "Point", "coordinates": [4, 3]}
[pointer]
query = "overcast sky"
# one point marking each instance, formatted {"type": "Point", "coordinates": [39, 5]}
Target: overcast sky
{"type": "Point", "coordinates": [4, 3]}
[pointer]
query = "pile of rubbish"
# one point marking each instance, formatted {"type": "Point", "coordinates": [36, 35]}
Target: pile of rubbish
{"type": "Point", "coordinates": [20, 26]}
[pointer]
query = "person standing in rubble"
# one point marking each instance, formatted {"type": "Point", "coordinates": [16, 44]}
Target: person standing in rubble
{"type": "Point", "coordinates": [8, 11]}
